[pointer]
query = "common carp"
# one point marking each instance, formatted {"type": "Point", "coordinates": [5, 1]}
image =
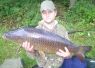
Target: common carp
{"type": "Point", "coordinates": [45, 41]}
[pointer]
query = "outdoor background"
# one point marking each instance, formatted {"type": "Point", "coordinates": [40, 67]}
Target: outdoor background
{"type": "Point", "coordinates": [26, 13]}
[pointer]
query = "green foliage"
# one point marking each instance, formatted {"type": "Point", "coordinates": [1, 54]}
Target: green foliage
{"type": "Point", "coordinates": [63, 2]}
{"type": "Point", "coordinates": [21, 11]}
{"type": "Point", "coordinates": [83, 10]}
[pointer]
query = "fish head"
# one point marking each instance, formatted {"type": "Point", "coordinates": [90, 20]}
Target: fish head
{"type": "Point", "coordinates": [16, 36]}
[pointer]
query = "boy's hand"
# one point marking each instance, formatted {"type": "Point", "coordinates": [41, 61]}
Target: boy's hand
{"type": "Point", "coordinates": [66, 54]}
{"type": "Point", "coordinates": [27, 46]}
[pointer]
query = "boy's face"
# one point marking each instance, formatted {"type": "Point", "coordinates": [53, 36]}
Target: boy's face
{"type": "Point", "coordinates": [49, 16]}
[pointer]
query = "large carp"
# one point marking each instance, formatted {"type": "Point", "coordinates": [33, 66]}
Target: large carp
{"type": "Point", "coordinates": [45, 41]}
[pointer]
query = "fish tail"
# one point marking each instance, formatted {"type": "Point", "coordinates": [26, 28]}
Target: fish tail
{"type": "Point", "coordinates": [82, 50]}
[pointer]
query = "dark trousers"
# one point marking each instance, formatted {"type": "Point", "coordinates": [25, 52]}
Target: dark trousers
{"type": "Point", "coordinates": [73, 62]}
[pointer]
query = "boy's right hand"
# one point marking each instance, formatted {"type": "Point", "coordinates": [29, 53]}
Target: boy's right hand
{"type": "Point", "coordinates": [27, 46]}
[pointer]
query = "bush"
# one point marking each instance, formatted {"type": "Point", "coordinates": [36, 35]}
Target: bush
{"type": "Point", "coordinates": [83, 10]}
{"type": "Point", "coordinates": [19, 11]}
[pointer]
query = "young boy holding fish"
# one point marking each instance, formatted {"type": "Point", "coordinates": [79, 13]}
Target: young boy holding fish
{"type": "Point", "coordinates": [49, 23]}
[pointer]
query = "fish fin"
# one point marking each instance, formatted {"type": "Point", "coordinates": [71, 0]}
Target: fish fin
{"type": "Point", "coordinates": [80, 56]}
{"type": "Point", "coordinates": [82, 51]}
{"type": "Point", "coordinates": [42, 54]}
{"type": "Point", "coordinates": [18, 49]}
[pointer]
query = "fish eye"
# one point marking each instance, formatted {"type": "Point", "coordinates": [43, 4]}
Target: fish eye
{"type": "Point", "coordinates": [7, 34]}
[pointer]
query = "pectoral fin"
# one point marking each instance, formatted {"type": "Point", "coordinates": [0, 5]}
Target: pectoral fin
{"type": "Point", "coordinates": [42, 54]}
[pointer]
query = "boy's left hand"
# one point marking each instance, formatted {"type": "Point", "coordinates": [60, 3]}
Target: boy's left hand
{"type": "Point", "coordinates": [66, 54]}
